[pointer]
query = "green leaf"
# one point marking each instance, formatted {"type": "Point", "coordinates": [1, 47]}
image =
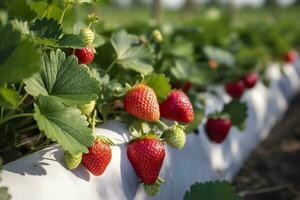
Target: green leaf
{"type": "Point", "coordinates": [71, 41]}
{"type": "Point", "coordinates": [4, 195]}
{"type": "Point", "coordinates": [217, 190]}
{"type": "Point", "coordinates": [237, 111]}
{"type": "Point", "coordinates": [130, 55]}
{"type": "Point", "coordinates": [21, 26]}
{"type": "Point", "coordinates": [19, 9]}
{"type": "Point", "coordinates": [63, 124]}
{"type": "Point", "coordinates": [187, 71]}
{"type": "Point", "coordinates": [18, 58]}
{"type": "Point", "coordinates": [46, 28]}
{"type": "Point", "coordinates": [219, 55]}
{"type": "Point", "coordinates": [64, 79]}
{"type": "Point", "coordinates": [160, 84]}
{"type": "Point", "coordinates": [8, 98]}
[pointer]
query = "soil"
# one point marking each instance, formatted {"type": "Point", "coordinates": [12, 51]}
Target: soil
{"type": "Point", "coordinates": [273, 170]}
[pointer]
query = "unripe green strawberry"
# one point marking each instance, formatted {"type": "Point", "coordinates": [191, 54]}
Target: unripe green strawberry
{"type": "Point", "coordinates": [175, 136]}
{"type": "Point", "coordinates": [72, 161]}
{"type": "Point", "coordinates": [152, 189]}
{"type": "Point", "coordinates": [88, 36]}
{"type": "Point", "coordinates": [156, 34]}
{"type": "Point", "coordinates": [88, 108]}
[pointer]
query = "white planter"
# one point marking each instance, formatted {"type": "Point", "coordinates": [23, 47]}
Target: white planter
{"type": "Point", "coordinates": [43, 176]}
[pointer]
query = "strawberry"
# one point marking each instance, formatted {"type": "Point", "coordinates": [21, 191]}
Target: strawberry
{"type": "Point", "coordinates": [141, 102]}
{"type": "Point", "coordinates": [290, 57]}
{"type": "Point", "coordinates": [235, 89]}
{"type": "Point", "coordinates": [217, 129]}
{"type": "Point", "coordinates": [146, 156]}
{"type": "Point", "coordinates": [175, 136]}
{"type": "Point", "coordinates": [85, 55]}
{"type": "Point", "coordinates": [250, 80]}
{"type": "Point", "coordinates": [88, 35]}
{"type": "Point", "coordinates": [156, 34]}
{"type": "Point", "coordinates": [72, 161]}
{"type": "Point", "coordinates": [177, 107]}
{"type": "Point", "coordinates": [187, 87]}
{"type": "Point", "coordinates": [99, 156]}
{"type": "Point", "coordinates": [212, 64]}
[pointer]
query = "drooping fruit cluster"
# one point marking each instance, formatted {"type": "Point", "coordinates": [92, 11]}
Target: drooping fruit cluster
{"type": "Point", "coordinates": [146, 153]}
{"type": "Point", "coordinates": [96, 160]}
{"type": "Point", "coordinates": [85, 55]}
{"type": "Point", "coordinates": [237, 88]}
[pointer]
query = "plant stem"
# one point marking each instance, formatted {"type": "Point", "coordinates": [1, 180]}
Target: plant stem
{"type": "Point", "coordinates": [20, 88]}
{"type": "Point", "coordinates": [161, 124]}
{"type": "Point", "coordinates": [45, 11]}
{"type": "Point", "coordinates": [27, 128]}
{"type": "Point", "coordinates": [15, 116]}
{"type": "Point", "coordinates": [94, 122]}
{"type": "Point", "coordinates": [64, 12]}
{"type": "Point", "coordinates": [111, 65]}
{"type": "Point", "coordinates": [2, 112]}
{"type": "Point", "coordinates": [23, 98]}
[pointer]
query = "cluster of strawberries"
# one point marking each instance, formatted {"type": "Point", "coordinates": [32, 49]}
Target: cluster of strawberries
{"type": "Point", "coordinates": [146, 154]}
{"type": "Point", "coordinates": [218, 124]}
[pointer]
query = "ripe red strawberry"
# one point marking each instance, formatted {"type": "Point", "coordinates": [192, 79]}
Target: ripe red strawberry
{"type": "Point", "coordinates": [290, 57]}
{"type": "Point", "coordinates": [250, 80]}
{"type": "Point", "coordinates": [187, 87]}
{"type": "Point", "coordinates": [98, 158]}
{"type": "Point", "coordinates": [146, 156]}
{"type": "Point", "coordinates": [217, 129]}
{"type": "Point", "coordinates": [177, 107]}
{"type": "Point", "coordinates": [85, 55]}
{"type": "Point", "coordinates": [235, 89]}
{"type": "Point", "coordinates": [141, 102]}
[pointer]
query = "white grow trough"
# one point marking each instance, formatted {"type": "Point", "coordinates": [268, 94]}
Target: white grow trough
{"type": "Point", "coordinates": [43, 176]}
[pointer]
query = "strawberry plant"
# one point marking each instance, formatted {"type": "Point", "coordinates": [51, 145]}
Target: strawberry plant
{"type": "Point", "coordinates": [60, 77]}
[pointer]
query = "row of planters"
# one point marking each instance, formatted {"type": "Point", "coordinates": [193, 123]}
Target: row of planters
{"type": "Point", "coordinates": [57, 85]}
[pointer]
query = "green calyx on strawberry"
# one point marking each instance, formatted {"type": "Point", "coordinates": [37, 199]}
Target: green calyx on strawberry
{"type": "Point", "coordinates": [99, 156]}
{"type": "Point", "coordinates": [154, 188]}
{"type": "Point", "coordinates": [217, 127]}
{"type": "Point", "coordinates": [141, 102]}
{"type": "Point", "coordinates": [177, 107]}
{"type": "Point", "coordinates": [88, 36]}
{"type": "Point", "coordinates": [84, 55]}
{"type": "Point", "coordinates": [146, 156]}
{"type": "Point", "coordinates": [235, 88]}
{"type": "Point", "coordinates": [88, 108]}
{"type": "Point", "coordinates": [72, 161]}
{"type": "Point", "coordinates": [175, 136]}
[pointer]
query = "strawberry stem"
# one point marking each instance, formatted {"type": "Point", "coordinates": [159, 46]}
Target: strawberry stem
{"type": "Point", "coordinates": [111, 65]}
{"type": "Point", "coordinates": [161, 124]}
